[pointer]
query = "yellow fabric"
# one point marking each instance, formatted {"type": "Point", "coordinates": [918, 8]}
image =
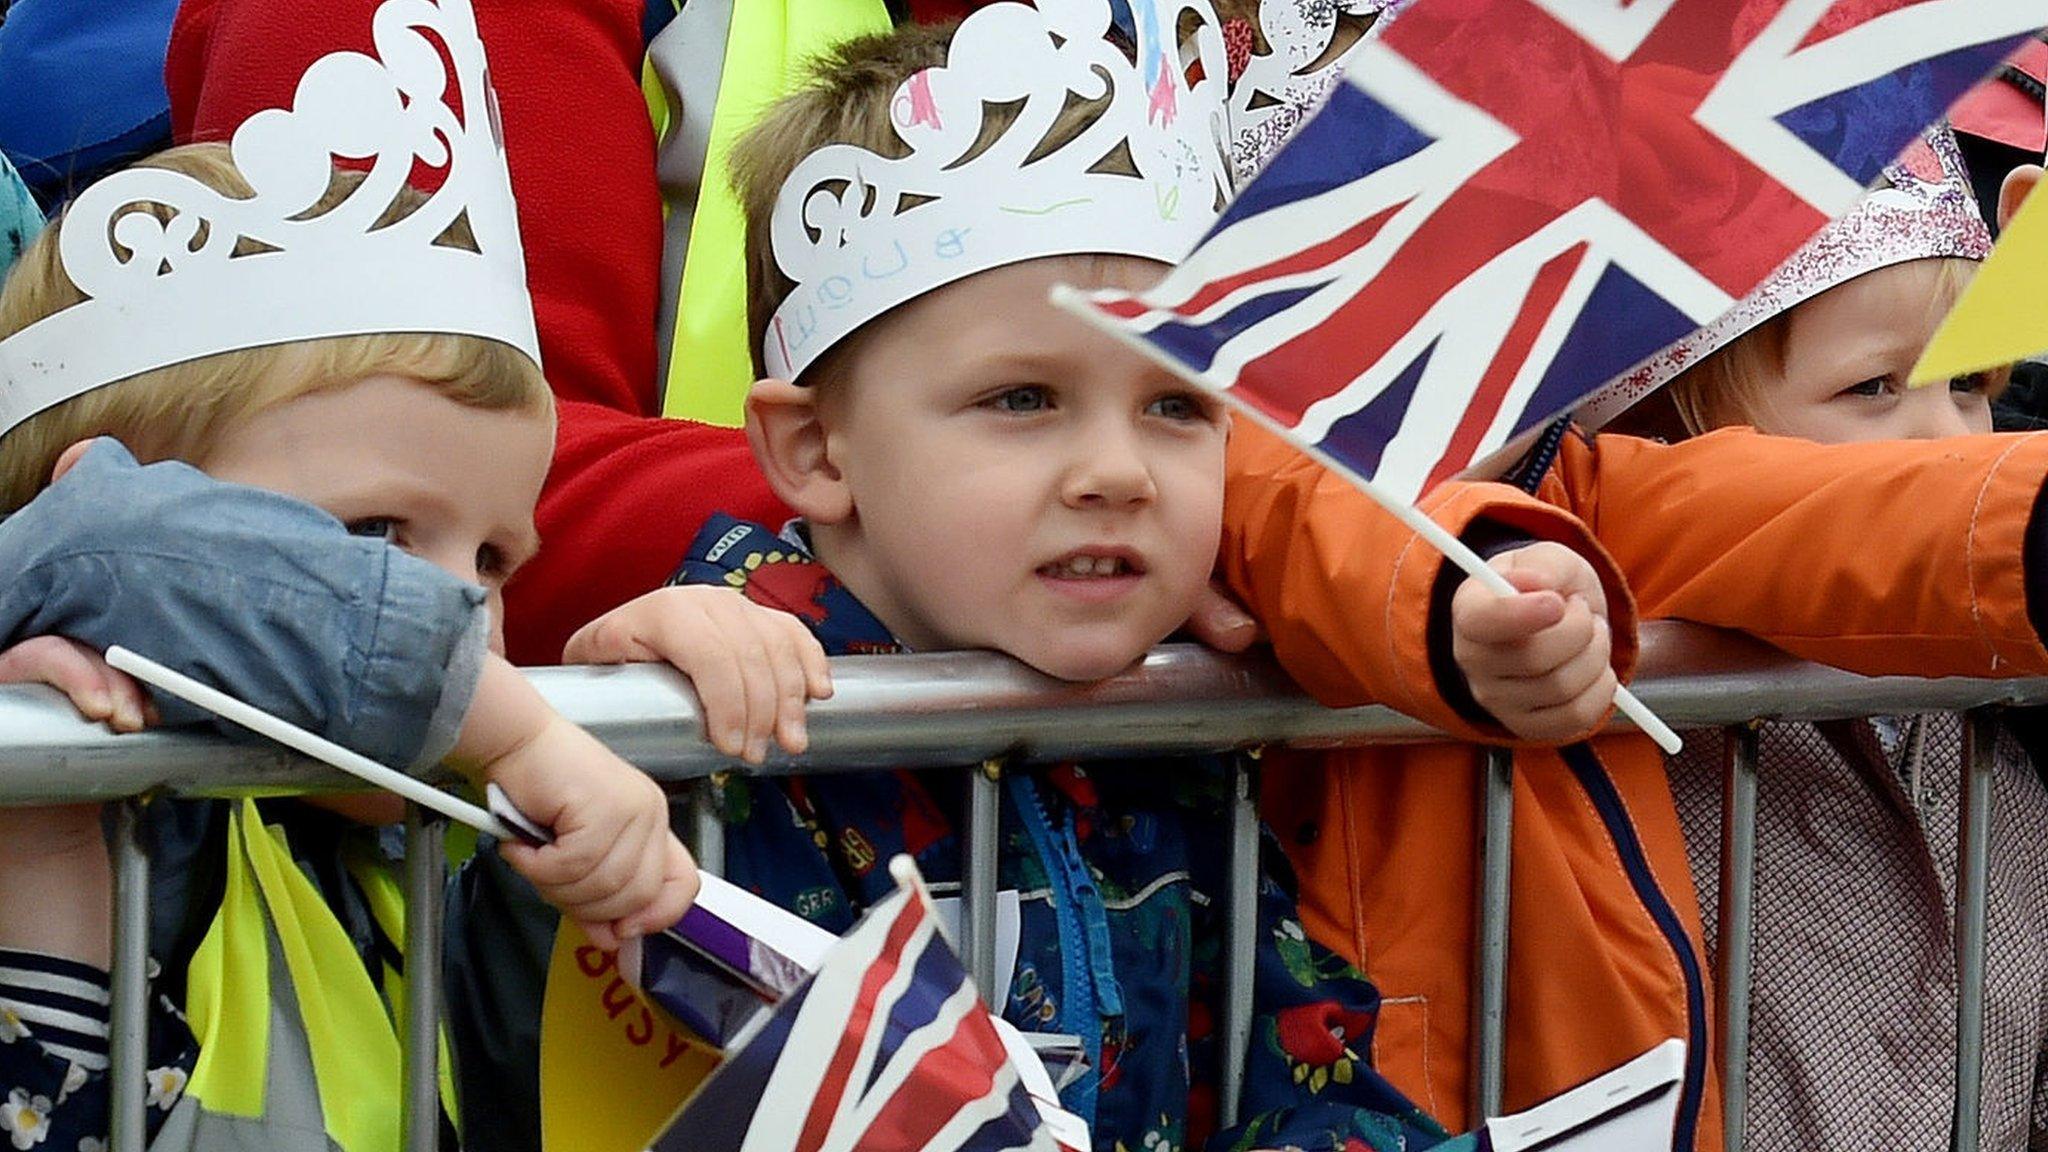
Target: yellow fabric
{"type": "Point", "coordinates": [382, 892]}
{"type": "Point", "coordinates": [227, 995]}
{"type": "Point", "coordinates": [657, 106]}
{"type": "Point", "coordinates": [354, 1050]}
{"type": "Point", "coordinates": [2001, 317]}
{"type": "Point", "coordinates": [767, 45]}
{"type": "Point", "coordinates": [613, 1068]}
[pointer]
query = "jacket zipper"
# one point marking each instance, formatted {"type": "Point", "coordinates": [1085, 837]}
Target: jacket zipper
{"type": "Point", "coordinates": [1592, 776]}
{"type": "Point", "coordinates": [1088, 993]}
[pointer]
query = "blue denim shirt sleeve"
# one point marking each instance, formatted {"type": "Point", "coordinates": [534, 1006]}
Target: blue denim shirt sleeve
{"type": "Point", "coordinates": [264, 596]}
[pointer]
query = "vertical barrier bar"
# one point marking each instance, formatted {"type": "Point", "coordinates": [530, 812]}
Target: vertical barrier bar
{"type": "Point", "coordinates": [708, 845]}
{"type": "Point", "coordinates": [1980, 747]}
{"type": "Point", "coordinates": [1242, 932]}
{"type": "Point", "coordinates": [1489, 1006]}
{"type": "Point", "coordinates": [128, 1057]}
{"type": "Point", "coordinates": [1738, 903]}
{"type": "Point", "coordinates": [978, 850]}
{"type": "Point", "coordinates": [425, 880]}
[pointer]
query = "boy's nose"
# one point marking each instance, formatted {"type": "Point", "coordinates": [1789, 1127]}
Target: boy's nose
{"type": "Point", "coordinates": [1110, 468]}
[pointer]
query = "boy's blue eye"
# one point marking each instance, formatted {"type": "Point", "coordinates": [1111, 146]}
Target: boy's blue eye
{"type": "Point", "coordinates": [1975, 383]}
{"type": "Point", "coordinates": [1178, 406]}
{"type": "Point", "coordinates": [1875, 386]}
{"type": "Point", "coordinates": [1025, 399]}
{"type": "Point", "coordinates": [381, 527]}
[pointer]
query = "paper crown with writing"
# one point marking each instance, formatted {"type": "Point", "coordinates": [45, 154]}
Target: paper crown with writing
{"type": "Point", "coordinates": [1922, 208]}
{"type": "Point", "coordinates": [860, 233]}
{"type": "Point", "coordinates": [208, 273]}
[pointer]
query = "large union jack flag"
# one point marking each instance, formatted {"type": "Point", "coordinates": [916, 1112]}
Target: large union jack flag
{"type": "Point", "coordinates": [887, 1048]}
{"type": "Point", "coordinates": [1509, 203]}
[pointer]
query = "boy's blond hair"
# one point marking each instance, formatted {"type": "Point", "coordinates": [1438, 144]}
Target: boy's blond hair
{"type": "Point", "coordinates": [846, 100]}
{"type": "Point", "coordinates": [1728, 386]}
{"type": "Point", "coordinates": [179, 412]}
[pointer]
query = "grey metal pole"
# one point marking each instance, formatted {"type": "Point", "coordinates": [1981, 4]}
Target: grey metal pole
{"type": "Point", "coordinates": [128, 1058]}
{"type": "Point", "coordinates": [1738, 903]}
{"type": "Point", "coordinates": [1490, 1006]}
{"type": "Point", "coordinates": [709, 842]}
{"type": "Point", "coordinates": [425, 880]}
{"type": "Point", "coordinates": [1980, 748]}
{"type": "Point", "coordinates": [1242, 932]}
{"type": "Point", "coordinates": [978, 874]}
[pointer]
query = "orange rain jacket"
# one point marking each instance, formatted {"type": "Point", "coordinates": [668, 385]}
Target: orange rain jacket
{"type": "Point", "coordinates": [1885, 558]}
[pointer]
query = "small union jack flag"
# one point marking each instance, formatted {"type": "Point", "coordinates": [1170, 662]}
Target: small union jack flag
{"type": "Point", "coordinates": [1509, 203]}
{"type": "Point", "coordinates": [887, 1048]}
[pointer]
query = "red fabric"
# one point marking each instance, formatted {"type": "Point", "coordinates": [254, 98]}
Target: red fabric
{"type": "Point", "coordinates": [628, 491]}
{"type": "Point", "coordinates": [935, 11]}
{"type": "Point", "coordinates": [1999, 110]}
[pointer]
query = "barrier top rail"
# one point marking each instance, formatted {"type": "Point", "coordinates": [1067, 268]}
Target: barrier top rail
{"type": "Point", "coordinates": [960, 708]}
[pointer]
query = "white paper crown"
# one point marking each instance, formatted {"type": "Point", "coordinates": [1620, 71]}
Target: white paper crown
{"type": "Point", "coordinates": [164, 292]}
{"type": "Point", "coordinates": [861, 233]}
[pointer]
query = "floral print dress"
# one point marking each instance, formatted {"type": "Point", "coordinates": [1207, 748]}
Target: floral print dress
{"type": "Point", "coordinates": [54, 1084]}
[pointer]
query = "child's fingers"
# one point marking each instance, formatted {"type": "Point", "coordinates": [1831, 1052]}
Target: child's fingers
{"type": "Point", "coordinates": [609, 639]}
{"type": "Point", "coordinates": [640, 888]}
{"type": "Point", "coordinates": [1562, 681]}
{"type": "Point", "coordinates": [817, 668]}
{"type": "Point", "coordinates": [787, 644]}
{"type": "Point", "coordinates": [715, 671]}
{"type": "Point", "coordinates": [1479, 616]}
{"type": "Point", "coordinates": [1549, 565]}
{"type": "Point", "coordinates": [600, 933]}
{"type": "Point", "coordinates": [622, 879]}
{"type": "Point", "coordinates": [69, 667]}
{"type": "Point", "coordinates": [1540, 653]}
{"type": "Point", "coordinates": [756, 664]}
{"type": "Point", "coordinates": [679, 885]}
{"type": "Point", "coordinates": [133, 709]}
{"type": "Point", "coordinates": [1220, 623]}
{"type": "Point", "coordinates": [1573, 717]}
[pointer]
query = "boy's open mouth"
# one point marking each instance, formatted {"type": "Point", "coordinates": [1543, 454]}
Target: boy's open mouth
{"type": "Point", "coordinates": [1091, 565]}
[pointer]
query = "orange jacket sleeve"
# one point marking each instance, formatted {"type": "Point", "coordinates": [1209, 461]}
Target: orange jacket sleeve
{"type": "Point", "coordinates": [1887, 558]}
{"type": "Point", "coordinates": [1344, 589]}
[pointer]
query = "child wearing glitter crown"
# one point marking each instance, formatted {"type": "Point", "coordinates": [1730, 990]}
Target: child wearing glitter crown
{"type": "Point", "coordinates": [1853, 1012]}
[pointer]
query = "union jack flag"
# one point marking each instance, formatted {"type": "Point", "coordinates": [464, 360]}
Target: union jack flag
{"type": "Point", "coordinates": [887, 1048]}
{"type": "Point", "coordinates": [1509, 203]}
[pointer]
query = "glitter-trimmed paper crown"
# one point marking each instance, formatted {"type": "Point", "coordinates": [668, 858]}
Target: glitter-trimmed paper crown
{"type": "Point", "coordinates": [1280, 86]}
{"type": "Point", "coordinates": [1923, 208]}
{"type": "Point", "coordinates": [861, 233]}
{"type": "Point", "coordinates": [164, 292]}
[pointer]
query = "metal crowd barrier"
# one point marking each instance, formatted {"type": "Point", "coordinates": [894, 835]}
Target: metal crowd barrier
{"type": "Point", "coordinates": [942, 710]}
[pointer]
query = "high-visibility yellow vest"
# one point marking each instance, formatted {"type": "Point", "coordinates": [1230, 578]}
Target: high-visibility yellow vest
{"type": "Point", "coordinates": [298, 1048]}
{"type": "Point", "coordinates": [702, 100]}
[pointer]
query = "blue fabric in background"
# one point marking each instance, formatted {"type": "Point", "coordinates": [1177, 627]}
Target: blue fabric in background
{"type": "Point", "coordinates": [82, 90]}
{"type": "Point", "coordinates": [20, 219]}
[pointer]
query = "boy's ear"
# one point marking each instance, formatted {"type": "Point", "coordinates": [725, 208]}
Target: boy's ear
{"type": "Point", "coordinates": [68, 458]}
{"type": "Point", "coordinates": [789, 440]}
{"type": "Point", "coordinates": [2018, 183]}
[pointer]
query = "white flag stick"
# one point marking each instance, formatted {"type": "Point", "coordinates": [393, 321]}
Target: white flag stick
{"type": "Point", "coordinates": [322, 749]}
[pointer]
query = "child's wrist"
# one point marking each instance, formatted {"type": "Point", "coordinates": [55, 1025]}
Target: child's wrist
{"type": "Point", "coordinates": [506, 715]}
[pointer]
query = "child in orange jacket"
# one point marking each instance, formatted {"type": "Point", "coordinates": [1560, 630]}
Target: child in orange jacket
{"type": "Point", "coordinates": [1853, 999]}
